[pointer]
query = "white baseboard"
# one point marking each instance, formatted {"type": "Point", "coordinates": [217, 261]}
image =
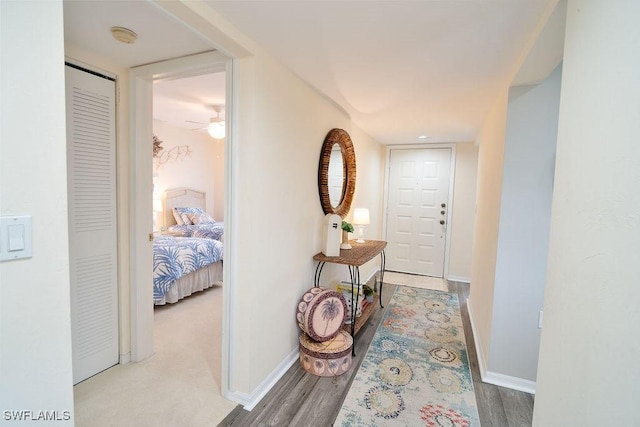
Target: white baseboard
{"type": "Point", "coordinates": [493, 377]}
{"type": "Point", "coordinates": [249, 401]}
{"type": "Point", "coordinates": [459, 279]}
{"type": "Point", "coordinates": [510, 382]}
{"type": "Point", "coordinates": [125, 358]}
{"type": "Point", "coordinates": [482, 364]}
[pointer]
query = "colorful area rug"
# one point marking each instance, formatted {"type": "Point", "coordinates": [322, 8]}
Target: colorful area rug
{"type": "Point", "coordinates": [415, 281]}
{"type": "Point", "coordinates": [416, 371]}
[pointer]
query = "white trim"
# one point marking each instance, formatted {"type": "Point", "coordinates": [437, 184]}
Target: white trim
{"type": "Point", "coordinates": [229, 293]}
{"type": "Point", "coordinates": [452, 174]}
{"type": "Point", "coordinates": [482, 364]}
{"type": "Point", "coordinates": [249, 401]}
{"type": "Point", "coordinates": [125, 358]}
{"type": "Point", "coordinates": [510, 382]}
{"type": "Point", "coordinates": [93, 68]}
{"type": "Point", "coordinates": [140, 251]}
{"type": "Point", "coordinates": [461, 279]}
{"type": "Point", "coordinates": [493, 377]}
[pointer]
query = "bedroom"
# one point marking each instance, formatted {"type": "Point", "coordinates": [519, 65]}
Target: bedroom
{"type": "Point", "coordinates": [188, 169]}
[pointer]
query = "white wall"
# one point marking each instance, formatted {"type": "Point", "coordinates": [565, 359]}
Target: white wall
{"type": "Point", "coordinates": [368, 194]}
{"type": "Point", "coordinates": [463, 214]}
{"type": "Point", "coordinates": [525, 214]}
{"type": "Point", "coordinates": [197, 170]}
{"type": "Point", "coordinates": [282, 123]}
{"type": "Point", "coordinates": [35, 355]}
{"type": "Point", "coordinates": [485, 232]}
{"type": "Point", "coordinates": [588, 371]}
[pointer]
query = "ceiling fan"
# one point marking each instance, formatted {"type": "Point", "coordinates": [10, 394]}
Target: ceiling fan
{"type": "Point", "coordinates": [216, 126]}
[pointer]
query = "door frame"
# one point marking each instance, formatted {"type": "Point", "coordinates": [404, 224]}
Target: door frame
{"type": "Point", "coordinates": [452, 170]}
{"type": "Point", "coordinates": [140, 197]}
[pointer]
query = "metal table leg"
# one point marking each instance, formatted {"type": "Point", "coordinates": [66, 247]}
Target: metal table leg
{"type": "Point", "coordinates": [316, 277]}
{"type": "Point", "coordinates": [383, 261]}
{"type": "Point", "coordinates": [354, 273]}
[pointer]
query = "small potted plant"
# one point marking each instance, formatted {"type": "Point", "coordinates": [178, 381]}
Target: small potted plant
{"type": "Point", "coordinates": [346, 229]}
{"type": "Point", "coordinates": [368, 293]}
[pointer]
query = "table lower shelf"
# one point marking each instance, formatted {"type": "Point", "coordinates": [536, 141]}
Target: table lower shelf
{"type": "Point", "coordinates": [366, 313]}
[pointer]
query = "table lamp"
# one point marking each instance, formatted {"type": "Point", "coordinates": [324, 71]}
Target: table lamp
{"type": "Point", "coordinates": [360, 218]}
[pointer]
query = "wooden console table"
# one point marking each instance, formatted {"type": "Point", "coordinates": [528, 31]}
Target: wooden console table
{"type": "Point", "coordinates": [353, 258]}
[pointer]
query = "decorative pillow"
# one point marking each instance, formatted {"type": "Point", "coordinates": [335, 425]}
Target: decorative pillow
{"type": "Point", "coordinates": [185, 212]}
{"type": "Point", "coordinates": [201, 218]}
{"type": "Point", "coordinates": [177, 217]}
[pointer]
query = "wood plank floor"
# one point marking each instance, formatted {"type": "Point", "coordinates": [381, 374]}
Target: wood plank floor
{"type": "Point", "coordinates": [300, 398]}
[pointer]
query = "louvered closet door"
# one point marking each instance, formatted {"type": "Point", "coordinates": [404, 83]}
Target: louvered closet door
{"type": "Point", "coordinates": [92, 222]}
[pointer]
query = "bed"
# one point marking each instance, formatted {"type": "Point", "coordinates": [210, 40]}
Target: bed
{"type": "Point", "coordinates": [184, 265]}
{"type": "Point", "coordinates": [185, 215]}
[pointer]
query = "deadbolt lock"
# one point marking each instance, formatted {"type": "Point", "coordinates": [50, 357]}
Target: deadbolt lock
{"type": "Point", "coordinates": [443, 205]}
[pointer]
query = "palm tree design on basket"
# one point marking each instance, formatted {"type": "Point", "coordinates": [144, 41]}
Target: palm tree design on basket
{"type": "Point", "coordinates": [330, 309]}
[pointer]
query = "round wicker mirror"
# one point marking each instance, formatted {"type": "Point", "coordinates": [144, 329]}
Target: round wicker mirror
{"type": "Point", "coordinates": [342, 139]}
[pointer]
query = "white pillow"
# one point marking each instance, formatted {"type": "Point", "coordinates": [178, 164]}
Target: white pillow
{"type": "Point", "coordinates": [177, 217]}
{"type": "Point", "coordinates": [185, 213]}
{"type": "Point", "coordinates": [201, 218]}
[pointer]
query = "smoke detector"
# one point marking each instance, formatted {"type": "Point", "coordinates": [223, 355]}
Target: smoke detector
{"type": "Point", "coordinates": [124, 35]}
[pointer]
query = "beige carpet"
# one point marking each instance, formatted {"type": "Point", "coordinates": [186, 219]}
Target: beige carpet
{"type": "Point", "coordinates": [177, 386]}
{"type": "Point", "coordinates": [415, 281]}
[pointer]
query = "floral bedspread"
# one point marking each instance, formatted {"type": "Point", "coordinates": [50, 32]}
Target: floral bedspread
{"type": "Point", "coordinates": [174, 257]}
{"type": "Point", "coordinates": [214, 230]}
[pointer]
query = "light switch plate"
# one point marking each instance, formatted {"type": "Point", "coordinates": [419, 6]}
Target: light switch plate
{"type": "Point", "coordinates": [15, 237]}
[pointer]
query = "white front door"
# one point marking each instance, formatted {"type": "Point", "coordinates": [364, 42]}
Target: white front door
{"type": "Point", "coordinates": [417, 210]}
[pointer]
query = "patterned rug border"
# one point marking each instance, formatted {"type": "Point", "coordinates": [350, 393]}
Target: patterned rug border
{"type": "Point", "coordinates": [429, 380]}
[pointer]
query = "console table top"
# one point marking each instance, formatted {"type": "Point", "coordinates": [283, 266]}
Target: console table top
{"type": "Point", "coordinates": [359, 253]}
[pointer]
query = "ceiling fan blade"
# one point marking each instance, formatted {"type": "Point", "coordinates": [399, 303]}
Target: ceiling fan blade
{"type": "Point", "coordinates": [197, 123]}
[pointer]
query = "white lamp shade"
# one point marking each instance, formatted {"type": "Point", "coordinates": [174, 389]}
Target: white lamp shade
{"type": "Point", "coordinates": [361, 216]}
{"type": "Point", "coordinates": [216, 129]}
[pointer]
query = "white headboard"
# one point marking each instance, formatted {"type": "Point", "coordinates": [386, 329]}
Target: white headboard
{"type": "Point", "coordinates": [181, 197]}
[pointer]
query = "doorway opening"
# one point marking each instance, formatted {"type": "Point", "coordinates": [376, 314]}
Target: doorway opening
{"type": "Point", "coordinates": [189, 173]}
{"type": "Point", "coordinates": [142, 309]}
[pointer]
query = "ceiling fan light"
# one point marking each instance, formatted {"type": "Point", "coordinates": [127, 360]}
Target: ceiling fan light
{"type": "Point", "coordinates": [216, 129]}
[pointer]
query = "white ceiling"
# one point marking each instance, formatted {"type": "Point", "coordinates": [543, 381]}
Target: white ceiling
{"type": "Point", "coordinates": [190, 102]}
{"type": "Point", "coordinates": [400, 68]}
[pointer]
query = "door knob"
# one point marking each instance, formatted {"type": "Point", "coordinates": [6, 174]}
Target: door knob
{"type": "Point", "coordinates": [442, 212]}
{"type": "Point", "coordinates": [442, 222]}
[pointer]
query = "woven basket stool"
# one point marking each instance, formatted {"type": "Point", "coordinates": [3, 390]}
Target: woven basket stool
{"type": "Point", "coordinates": [326, 359]}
